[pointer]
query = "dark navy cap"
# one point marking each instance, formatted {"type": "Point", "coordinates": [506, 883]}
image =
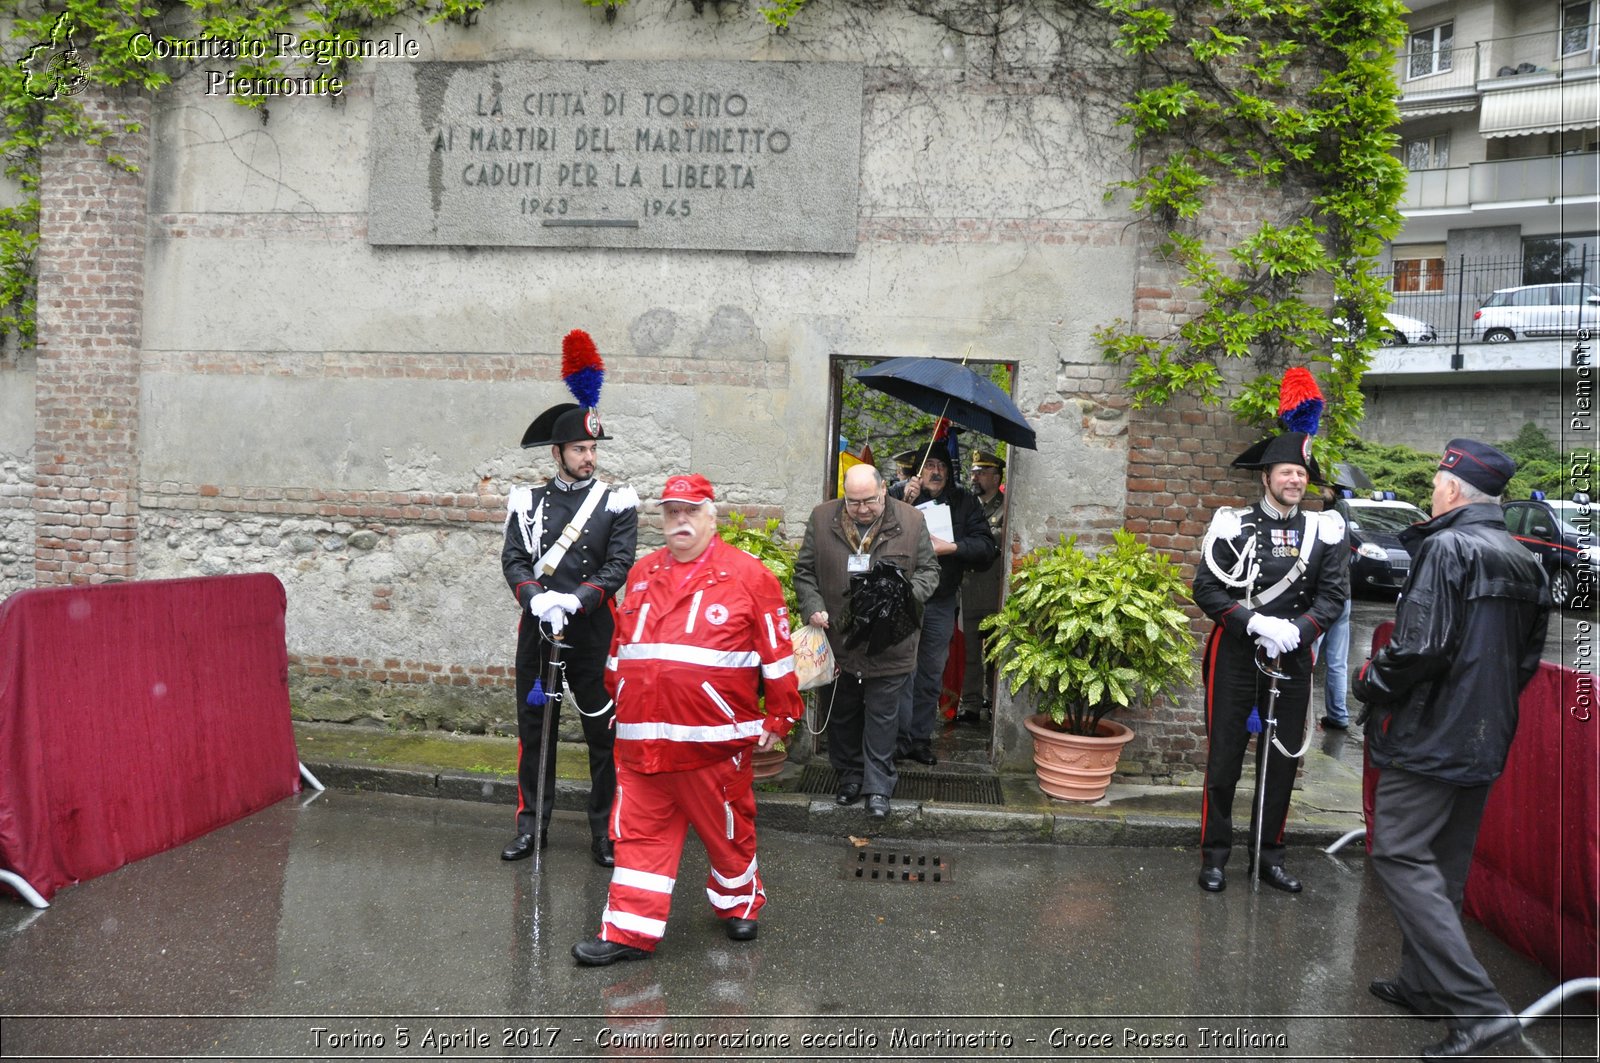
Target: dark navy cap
{"type": "Point", "coordinates": [1484, 467]}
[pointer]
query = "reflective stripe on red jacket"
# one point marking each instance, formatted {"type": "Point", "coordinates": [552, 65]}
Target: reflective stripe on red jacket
{"type": "Point", "coordinates": [697, 645]}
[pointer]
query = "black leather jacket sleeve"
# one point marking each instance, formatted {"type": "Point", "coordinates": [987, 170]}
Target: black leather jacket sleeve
{"type": "Point", "coordinates": [1426, 628]}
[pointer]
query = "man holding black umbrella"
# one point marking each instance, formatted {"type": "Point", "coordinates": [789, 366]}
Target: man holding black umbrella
{"type": "Point", "coordinates": [963, 542]}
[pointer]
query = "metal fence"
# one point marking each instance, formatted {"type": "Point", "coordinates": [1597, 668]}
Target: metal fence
{"type": "Point", "coordinates": [1457, 296]}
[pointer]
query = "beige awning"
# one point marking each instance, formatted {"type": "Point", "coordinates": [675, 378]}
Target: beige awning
{"type": "Point", "coordinates": [1541, 109]}
{"type": "Point", "coordinates": [1423, 108]}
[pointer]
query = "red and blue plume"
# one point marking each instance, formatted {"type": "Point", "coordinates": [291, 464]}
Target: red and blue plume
{"type": "Point", "coordinates": [1300, 401]}
{"type": "Point", "coordinates": [582, 368]}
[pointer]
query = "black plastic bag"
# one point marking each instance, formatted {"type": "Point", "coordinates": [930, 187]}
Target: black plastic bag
{"type": "Point", "coordinates": [879, 609]}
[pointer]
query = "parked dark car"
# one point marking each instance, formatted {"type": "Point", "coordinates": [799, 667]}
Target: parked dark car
{"type": "Point", "coordinates": [1379, 565]}
{"type": "Point", "coordinates": [1561, 533]}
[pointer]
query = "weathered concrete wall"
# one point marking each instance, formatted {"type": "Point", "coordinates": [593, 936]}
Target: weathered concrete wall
{"type": "Point", "coordinates": [1426, 416]}
{"type": "Point", "coordinates": [16, 475]}
{"type": "Point", "coordinates": [346, 415]}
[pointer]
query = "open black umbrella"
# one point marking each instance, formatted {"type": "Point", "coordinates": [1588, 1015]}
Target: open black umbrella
{"type": "Point", "coordinates": [1351, 476]}
{"type": "Point", "coordinates": [950, 389]}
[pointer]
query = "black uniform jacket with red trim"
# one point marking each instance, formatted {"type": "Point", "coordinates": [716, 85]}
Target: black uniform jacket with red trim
{"type": "Point", "coordinates": [1314, 600]}
{"type": "Point", "coordinates": [596, 563]}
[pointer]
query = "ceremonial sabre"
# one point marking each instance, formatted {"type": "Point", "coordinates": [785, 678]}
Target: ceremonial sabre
{"type": "Point", "coordinates": [1273, 668]}
{"type": "Point", "coordinates": [550, 698]}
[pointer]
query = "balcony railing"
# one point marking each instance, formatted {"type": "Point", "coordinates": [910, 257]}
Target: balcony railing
{"type": "Point", "coordinates": [1499, 62]}
{"type": "Point", "coordinates": [1544, 177]}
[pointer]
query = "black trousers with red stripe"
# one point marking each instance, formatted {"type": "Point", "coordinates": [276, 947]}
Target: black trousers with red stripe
{"type": "Point", "coordinates": [584, 657]}
{"type": "Point", "coordinates": [1234, 685]}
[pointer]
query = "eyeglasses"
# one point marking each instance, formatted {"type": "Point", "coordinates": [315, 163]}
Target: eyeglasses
{"type": "Point", "coordinates": [863, 503]}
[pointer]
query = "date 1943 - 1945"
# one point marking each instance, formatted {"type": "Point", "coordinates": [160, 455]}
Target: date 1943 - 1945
{"type": "Point", "coordinates": [558, 206]}
{"type": "Point", "coordinates": [434, 1039]}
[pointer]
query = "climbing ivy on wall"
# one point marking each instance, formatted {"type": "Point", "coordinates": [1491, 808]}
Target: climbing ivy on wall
{"type": "Point", "coordinates": [1297, 95]}
{"type": "Point", "coordinates": [1240, 94]}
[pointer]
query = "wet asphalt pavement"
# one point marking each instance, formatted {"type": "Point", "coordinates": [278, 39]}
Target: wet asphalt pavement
{"type": "Point", "coordinates": [321, 928]}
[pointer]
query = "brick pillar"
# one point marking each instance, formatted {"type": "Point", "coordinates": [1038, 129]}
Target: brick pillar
{"type": "Point", "coordinates": [92, 219]}
{"type": "Point", "coordinates": [1179, 457]}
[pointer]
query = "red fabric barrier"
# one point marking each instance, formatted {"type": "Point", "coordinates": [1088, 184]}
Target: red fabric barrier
{"type": "Point", "coordinates": [137, 716]}
{"type": "Point", "coordinates": [1535, 879]}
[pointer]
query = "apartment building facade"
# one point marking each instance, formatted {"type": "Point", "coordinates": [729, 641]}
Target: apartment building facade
{"type": "Point", "coordinates": [1500, 133]}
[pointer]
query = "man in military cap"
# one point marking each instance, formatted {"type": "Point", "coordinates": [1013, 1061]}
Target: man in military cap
{"type": "Point", "coordinates": [1273, 577]}
{"type": "Point", "coordinates": [1468, 635]}
{"type": "Point", "coordinates": [905, 463]}
{"type": "Point", "coordinates": [568, 547]}
{"type": "Point", "coordinates": [980, 591]}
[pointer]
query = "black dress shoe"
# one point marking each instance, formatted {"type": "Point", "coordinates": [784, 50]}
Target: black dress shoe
{"type": "Point", "coordinates": [1275, 876]}
{"type": "Point", "coordinates": [849, 793]}
{"type": "Point", "coordinates": [597, 953]}
{"type": "Point", "coordinates": [1473, 1038]}
{"type": "Point", "coordinates": [1212, 880]}
{"type": "Point", "coordinates": [1394, 993]}
{"type": "Point", "coordinates": [521, 846]}
{"type": "Point", "coordinates": [740, 929]}
{"type": "Point", "coordinates": [877, 807]}
{"type": "Point", "coordinates": [922, 753]}
{"type": "Point", "coordinates": [1330, 724]}
{"type": "Point", "coordinates": [603, 852]}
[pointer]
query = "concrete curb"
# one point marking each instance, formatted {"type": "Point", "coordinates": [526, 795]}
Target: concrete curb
{"type": "Point", "coordinates": [1042, 822]}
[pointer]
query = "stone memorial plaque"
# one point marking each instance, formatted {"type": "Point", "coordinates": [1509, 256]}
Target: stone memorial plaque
{"type": "Point", "coordinates": [739, 156]}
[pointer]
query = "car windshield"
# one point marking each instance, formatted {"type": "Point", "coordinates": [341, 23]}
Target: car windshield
{"type": "Point", "coordinates": [1392, 519]}
{"type": "Point", "coordinates": [1575, 519]}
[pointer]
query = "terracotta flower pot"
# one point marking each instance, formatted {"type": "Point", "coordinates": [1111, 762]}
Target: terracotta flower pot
{"type": "Point", "coordinates": [1076, 767]}
{"type": "Point", "coordinates": [766, 765]}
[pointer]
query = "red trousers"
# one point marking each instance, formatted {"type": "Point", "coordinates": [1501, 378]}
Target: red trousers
{"type": "Point", "coordinates": [650, 819]}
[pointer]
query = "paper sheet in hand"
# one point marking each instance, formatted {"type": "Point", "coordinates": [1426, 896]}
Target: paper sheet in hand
{"type": "Point", "coordinates": [938, 518]}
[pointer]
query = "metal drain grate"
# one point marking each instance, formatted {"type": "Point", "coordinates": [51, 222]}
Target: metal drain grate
{"type": "Point", "coordinates": [873, 866]}
{"type": "Point", "coordinates": [819, 778]}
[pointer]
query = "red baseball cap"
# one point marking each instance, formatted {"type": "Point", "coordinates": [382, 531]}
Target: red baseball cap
{"type": "Point", "coordinates": [691, 488]}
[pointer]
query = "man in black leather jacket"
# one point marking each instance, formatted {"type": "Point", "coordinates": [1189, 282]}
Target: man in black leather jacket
{"type": "Point", "coordinates": [1442, 700]}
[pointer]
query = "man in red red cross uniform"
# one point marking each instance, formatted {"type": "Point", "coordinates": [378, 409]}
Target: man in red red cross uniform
{"type": "Point", "coordinates": [702, 638]}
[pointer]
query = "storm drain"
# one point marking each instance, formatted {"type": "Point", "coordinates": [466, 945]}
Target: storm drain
{"type": "Point", "coordinates": [915, 786]}
{"type": "Point", "coordinates": [864, 865]}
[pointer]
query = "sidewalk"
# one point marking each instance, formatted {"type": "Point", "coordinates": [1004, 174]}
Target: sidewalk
{"type": "Point", "coordinates": [1326, 804]}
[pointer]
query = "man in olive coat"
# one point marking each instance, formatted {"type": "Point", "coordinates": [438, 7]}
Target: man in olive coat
{"type": "Point", "coordinates": [845, 538]}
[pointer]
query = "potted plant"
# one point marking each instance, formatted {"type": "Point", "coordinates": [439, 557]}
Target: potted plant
{"type": "Point", "coordinates": [1090, 634]}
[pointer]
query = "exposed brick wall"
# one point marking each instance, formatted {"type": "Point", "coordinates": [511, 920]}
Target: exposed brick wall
{"type": "Point", "coordinates": [1179, 458]}
{"type": "Point", "coordinates": [1178, 475]}
{"type": "Point", "coordinates": [92, 222]}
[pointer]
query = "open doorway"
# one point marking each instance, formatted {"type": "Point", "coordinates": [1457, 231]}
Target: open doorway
{"type": "Point", "coordinates": [867, 425]}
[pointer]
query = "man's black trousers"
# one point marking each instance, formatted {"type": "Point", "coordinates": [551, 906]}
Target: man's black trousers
{"type": "Point", "coordinates": [583, 658]}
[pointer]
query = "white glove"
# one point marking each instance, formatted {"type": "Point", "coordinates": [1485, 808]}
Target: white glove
{"type": "Point", "coordinates": [1274, 634]}
{"type": "Point", "coordinates": [553, 608]}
